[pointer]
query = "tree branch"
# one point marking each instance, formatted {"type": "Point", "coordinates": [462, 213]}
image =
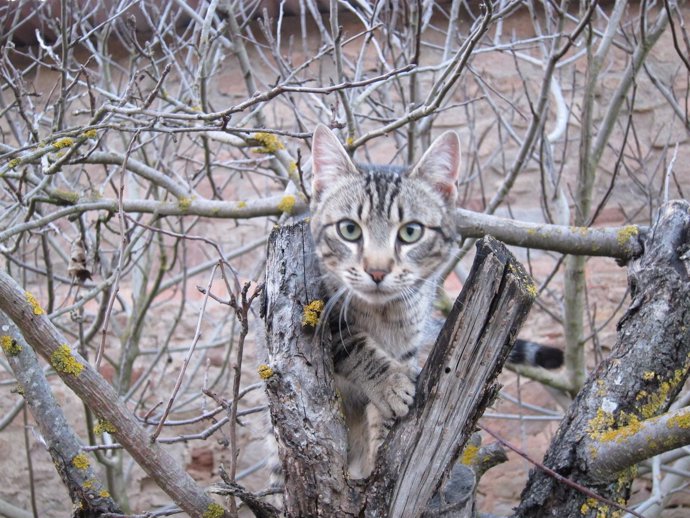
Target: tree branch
{"type": "Point", "coordinates": [86, 491]}
{"type": "Point", "coordinates": [621, 448]}
{"type": "Point", "coordinates": [656, 325]}
{"type": "Point", "coordinates": [620, 242]}
{"type": "Point", "coordinates": [31, 320]}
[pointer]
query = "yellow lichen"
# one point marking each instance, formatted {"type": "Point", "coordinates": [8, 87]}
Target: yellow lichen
{"type": "Point", "coordinates": [626, 233]}
{"type": "Point", "coordinates": [184, 203]}
{"type": "Point", "coordinates": [63, 143]}
{"type": "Point", "coordinates": [469, 454]}
{"type": "Point", "coordinates": [270, 142]}
{"type": "Point", "coordinates": [265, 372]}
{"type": "Point", "coordinates": [680, 421]}
{"type": "Point", "coordinates": [104, 426]}
{"type": "Point", "coordinates": [241, 204]}
{"type": "Point", "coordinates": [104, 494]}
{"type": "Point", "coordinates": [38, 310]}
{"type": "Point", "coordinates": [648, 375]}
{"type": "Point", "coordinates": [287, 203]}
{"type": "Point", "coordinates": [81, 461]}
{"type": "Point", "coordinates": [293, 167]}
{"type": "Point", "coordinates": [89, 484]}
{"type": "Point", "coordinates": [63, 361]}
{"type": "Point", "coordinates": [92, 133]}
{"type": "Point", "coordinates": [620, 434]}
{"type": "Point", "coordinates": [601, 421]}
{"type": "Point", "coordinates": [657, 400]}
{"type": "Point", "coordinates": [312, 312]}
{"type": "Point", "coordinates": [13, 163]}
{"type": "Point", "coordinates": [10, 346]}
{"type": "Point", "coordinates": [349, 141]}
{"type": "Point", "coordinates": [214, 510]}
{"type": "Point", "coordinates": [587, 505]}
{"type": "Point", "coordinates": [600, 509]}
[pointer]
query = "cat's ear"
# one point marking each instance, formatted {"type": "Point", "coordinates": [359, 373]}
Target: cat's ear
{"type": "Point", "coordinates": [440, 165]}
{"type": "Point", "coordinates": [329, 160]}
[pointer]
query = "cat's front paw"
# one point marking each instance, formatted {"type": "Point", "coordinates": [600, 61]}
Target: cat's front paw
{"type": "Point", "coordinates": [396, 395]}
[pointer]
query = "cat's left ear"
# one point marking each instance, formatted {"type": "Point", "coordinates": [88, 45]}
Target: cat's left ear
{"type": "Point", "coordinates": [440, 165]}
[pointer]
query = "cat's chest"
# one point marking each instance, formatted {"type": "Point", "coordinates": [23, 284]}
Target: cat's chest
{"type": "Point", "coordinates": [394, 329]}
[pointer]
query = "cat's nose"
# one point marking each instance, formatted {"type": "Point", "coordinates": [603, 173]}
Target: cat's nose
{"type": "Point", "coordinates": [377, 275]}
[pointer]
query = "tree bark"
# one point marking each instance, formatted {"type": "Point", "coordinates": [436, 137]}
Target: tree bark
{"type": "Point", "coordinates": [646, 370]}
{"type": "Point", "coordinates": [305, 412]}
{"type": "Point", "coordinates": [455, 386]}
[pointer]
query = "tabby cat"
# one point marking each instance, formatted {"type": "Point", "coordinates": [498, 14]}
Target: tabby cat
{"type": "Point", "coordinates": [383, 235]}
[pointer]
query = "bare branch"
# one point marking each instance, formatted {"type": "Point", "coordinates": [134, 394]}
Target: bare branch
{"type": "Point", "coordinates": [26, 312]}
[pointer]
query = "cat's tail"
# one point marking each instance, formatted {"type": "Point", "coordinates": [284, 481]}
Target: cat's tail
{"type": "Point", "coordinates": [525, 352]}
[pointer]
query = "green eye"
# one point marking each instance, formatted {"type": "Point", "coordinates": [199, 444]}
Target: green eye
{"type": "Point", "coordinates": [410, 232]}
{"type": "Point", "coordinates": [349, 230]}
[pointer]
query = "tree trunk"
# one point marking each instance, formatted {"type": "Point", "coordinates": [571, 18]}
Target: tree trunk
{"type": "Point", "coordinates": [647, 368]}
{"type": "Point", "coordinates": [306, 416]}
{"type": "Point", "coordinates": [454, 388]}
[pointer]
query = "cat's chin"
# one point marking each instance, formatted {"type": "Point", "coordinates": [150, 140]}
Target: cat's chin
{"type": "Point", "coordinates": [378, 297]}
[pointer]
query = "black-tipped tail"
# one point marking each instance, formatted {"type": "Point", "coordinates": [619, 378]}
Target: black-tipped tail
{"type": "Point", "coordinates": [525, 352]}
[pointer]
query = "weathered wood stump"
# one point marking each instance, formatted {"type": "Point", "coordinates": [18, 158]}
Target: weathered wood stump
{"type": "Point", "coordinates": [454, 388]}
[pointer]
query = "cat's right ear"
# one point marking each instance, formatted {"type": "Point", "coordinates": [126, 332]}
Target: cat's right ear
{"type": "Point", "coordinates": [329, 160]}
{"type": "Point", "coordinates": [440, 165]}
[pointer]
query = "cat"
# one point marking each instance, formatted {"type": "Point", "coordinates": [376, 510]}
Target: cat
{"type": "Point", "coordinates": [383, 236]}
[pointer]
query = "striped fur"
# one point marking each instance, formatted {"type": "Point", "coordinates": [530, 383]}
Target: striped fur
{"type": "Point", "coordinates": [383, 234]}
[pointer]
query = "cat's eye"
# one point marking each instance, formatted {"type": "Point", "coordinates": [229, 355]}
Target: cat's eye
{"type": "Point", "coordinates": [411, 232]}
{"type": "Point", "coordinates": [349, 230]}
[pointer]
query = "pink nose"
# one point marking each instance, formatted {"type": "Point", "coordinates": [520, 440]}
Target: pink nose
{"type": "Point", "coordinates": [377, 275]}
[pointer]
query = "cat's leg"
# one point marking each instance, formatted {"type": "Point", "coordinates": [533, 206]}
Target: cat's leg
{"type": "Point", "coordinates": [354, 402]}
{"type": "Point", "coordinates": [379, 427]}
{"type": "Point", "coordinates": [388, 383]}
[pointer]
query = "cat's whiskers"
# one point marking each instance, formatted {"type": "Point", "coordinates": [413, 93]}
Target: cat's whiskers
{"type": "Point", "coordinates": [326, 312]}
{"type": "Point", "coordinates": [408, 297]}
{"type": "Point", "coordinates": [343, 313]}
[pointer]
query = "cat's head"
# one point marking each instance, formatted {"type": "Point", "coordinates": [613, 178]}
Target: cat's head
{"type": "Point", "coordinates": [382, 233]}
